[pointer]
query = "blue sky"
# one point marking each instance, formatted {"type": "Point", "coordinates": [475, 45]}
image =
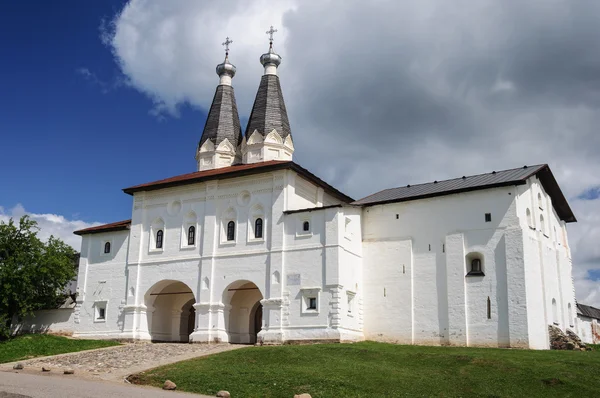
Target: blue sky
{"type": "Point", "coordinates": [71, 141]}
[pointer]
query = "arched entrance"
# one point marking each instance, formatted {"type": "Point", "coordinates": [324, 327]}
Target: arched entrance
{"type": "Point", "coordinates": [244, 320]}
{"type": "Point", "coordinates": [171, 315]}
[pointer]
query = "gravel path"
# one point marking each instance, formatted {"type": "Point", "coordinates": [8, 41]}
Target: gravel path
{"type": "Point", "coordinates": [115, 363]}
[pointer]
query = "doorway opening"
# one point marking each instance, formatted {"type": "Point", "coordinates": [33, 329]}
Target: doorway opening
{"type": "Point", "coordinates": [244, 320]}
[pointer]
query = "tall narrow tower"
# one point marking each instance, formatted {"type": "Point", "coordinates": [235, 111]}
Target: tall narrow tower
{"type": "Point", "coordinates": [220, 144]}
{"type": "Point", "coordinates": [268, 135]}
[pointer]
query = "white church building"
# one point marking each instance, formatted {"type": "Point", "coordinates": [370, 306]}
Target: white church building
{"type": "Point", "coordinates": [254, 248]}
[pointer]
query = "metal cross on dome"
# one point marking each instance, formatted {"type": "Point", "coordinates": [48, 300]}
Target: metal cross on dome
{"type": "Point", "coordinates": [270, 33]}
{"type": "Point", "coordinates": [226, 43]}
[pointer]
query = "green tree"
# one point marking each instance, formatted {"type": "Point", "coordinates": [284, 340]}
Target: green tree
{"type": "Point", "coordinates": [33, 274]}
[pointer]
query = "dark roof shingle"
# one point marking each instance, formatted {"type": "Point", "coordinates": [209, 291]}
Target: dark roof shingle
{"type": "Point", "coordinates": [589, 311]}
{"type": "Point", "coordinates": [222, 121]}
{"type": "Point", "coordinates": [115, 226]}
{"type": "Point", "coordinates": [472, 183]}
{"type": "Point", "coordinates": [268, 112]}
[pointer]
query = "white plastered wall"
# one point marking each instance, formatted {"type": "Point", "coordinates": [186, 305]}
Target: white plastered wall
{"type": "Point", "coordinates": [137, 270]}
{"type": "Point", "coordinates": [548, 268]}
{"type": "Point", "coordinates": [416, 288]}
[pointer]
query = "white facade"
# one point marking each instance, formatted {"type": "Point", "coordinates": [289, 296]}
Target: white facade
{"type": "Point", "coordinates": [391, 272]}
{"type": "Point", "coordinates": [254, 248]}
{"type": "Point", "coordinates": [589, 329]}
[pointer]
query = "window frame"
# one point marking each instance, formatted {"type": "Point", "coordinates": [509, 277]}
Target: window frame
{"type": "Point", "coordinates": [306, 226]}
{"type": "Point", "coordinates": [191, 235]}
{"type": "Point", "coordinates": [259, 226]}
{"type": "Point", "coordinates": [230, 231]}
{"type": "Point", "coordinates": [98, 307]}
{"type": "Point", "coordinates": [159, 239]}
{"type": "Point", "coordinates": [308, 295]}
{"type": "Point", "coordinates": [108, 245]}
{"type": "Point", "coordinates": [351, 298]}
{"type": "Point", "coordinates": [470, 260]}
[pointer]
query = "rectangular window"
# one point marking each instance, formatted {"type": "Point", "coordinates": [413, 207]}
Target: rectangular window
{"type": "Point", "coordinates": [310, 300]}
{"type": "Point", "coordinates": [350, 302]}
{"type": "Point", "coordinates": [100, 311]}
{"type": "Point", "coordinates": [488, 217]}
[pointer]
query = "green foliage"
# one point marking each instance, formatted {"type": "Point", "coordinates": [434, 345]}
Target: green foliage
{"type": "Point", "coordinates": [33, 274]}
{"type": "Point", "coordinates": [370, 369]}
{"type": "Point", "coordinates": [36, 345]}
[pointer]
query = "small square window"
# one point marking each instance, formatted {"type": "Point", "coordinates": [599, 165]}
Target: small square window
{"type": "Point", "coordinates": [488, 217]}
{"type": "Point", "coordinates": [100, 311]}
{"type": "Point", "coordinates": [310, 300]}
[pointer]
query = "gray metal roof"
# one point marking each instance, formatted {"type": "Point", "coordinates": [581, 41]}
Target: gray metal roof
{"type": "Point", "coordinates": [589, 311]}
{"type": "Point", "coordinates": [268, 111]}
{"type": "Point", "coordinates": [223, 120]}
{"type": "Point", "coordinates": [471, 183]}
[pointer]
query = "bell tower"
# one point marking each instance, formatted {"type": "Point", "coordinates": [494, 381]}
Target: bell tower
{"type": "Point", "coordinates": [268, 135]}
{"type": "Point", "coordinates": [220, 143]}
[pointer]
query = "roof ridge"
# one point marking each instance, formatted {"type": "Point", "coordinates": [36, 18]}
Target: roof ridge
{"type": "Point", "coordinates": [460, 178]}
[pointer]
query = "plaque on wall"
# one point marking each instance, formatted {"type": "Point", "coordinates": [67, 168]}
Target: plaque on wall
{"type": "Point", "coordinates": [293, 279]}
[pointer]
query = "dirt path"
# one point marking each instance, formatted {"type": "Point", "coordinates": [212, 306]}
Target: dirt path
{"type": "Point", "coordinates": [115, 363]}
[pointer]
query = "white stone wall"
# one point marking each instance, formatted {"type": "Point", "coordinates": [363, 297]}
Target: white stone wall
{"type": "Point", "coordinates": [128, 280]}
{"type": "Point", "coordinates": [415, 262]}
{"type": "Point", "coordinates": [394, 272]}
{"type": "Point", "coordinates": [588, 329]}
{"type": "Point", "coordinates": [548, 268]}
{"type": "Point", "coordinates": [101, 284]}
{"type": "Point", "coordinates": [56, 321]}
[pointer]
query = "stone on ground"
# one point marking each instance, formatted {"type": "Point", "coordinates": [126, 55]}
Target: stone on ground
{"type": "Point", "coordinates": [223, 394]}
{"type": "Point", "coordinates": [169, 385]}
{"type": "Point", "coordinates": [564, 341]}
{"type": "Point", "coordinates": [305, 395]}
{"type": "Point", "coordinates": [45, 369]}
{"type": "Point", "coordinates": [69, 371]}
{"type": "Point", "coordinates": [18, 366]}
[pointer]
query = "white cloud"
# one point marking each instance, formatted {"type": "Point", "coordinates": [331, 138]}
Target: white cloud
{"type": "Point", "coordinates": [49, 224]}
{"type": "Point", "coordinates": [406, 91]}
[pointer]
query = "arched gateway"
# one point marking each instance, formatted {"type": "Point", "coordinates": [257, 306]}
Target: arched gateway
{"type": "Point", "coordinates": [171, 315]}
{"type": "Point", "coordinates": [244, 318]}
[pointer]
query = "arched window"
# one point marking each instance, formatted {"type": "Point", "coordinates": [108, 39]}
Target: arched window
{"type": "Point", "coordinates": [107, 248]}
{"type": "Point", "coordinates": [191, 236]}
{"type": "Point", "coordinates": [159, 239]}
{"type": "Point", "coordinates": [476, 266]}
{"type": "Point", "coordinates": [570, 311]}
{"type": "Point", "coordinates": [231, 230]}
{"type": "Point", "coordinates": [529, 220]}
{"type": "Point", "coordinates": [542, 226]}
{"type": "Point", "coordinates": [540, 200]}
{"type": "Point", "coordinates": [554, 312]}
{"type": "Point", "coordinates": [258, 228]}
{"type": "Point", "coordinates": [306, 226]}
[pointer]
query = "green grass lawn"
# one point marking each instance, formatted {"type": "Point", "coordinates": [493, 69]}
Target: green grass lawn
{"type": "Point", "coordinates": [37, 345]}
{"type": "Point", "coordinates": [371, 369]}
